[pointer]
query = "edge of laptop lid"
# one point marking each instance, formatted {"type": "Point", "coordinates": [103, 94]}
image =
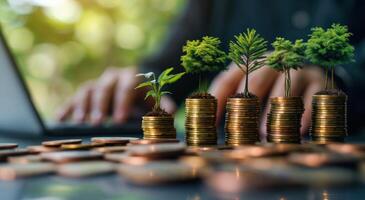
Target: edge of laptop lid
{"type": "Point", "coordinates": [18, 114]}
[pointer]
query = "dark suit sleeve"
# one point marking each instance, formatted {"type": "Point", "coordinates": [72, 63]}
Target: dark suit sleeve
{"type": "Point", "coordinates": [192, 24]}
{"type": "Point", "coordinates": [352, 75]}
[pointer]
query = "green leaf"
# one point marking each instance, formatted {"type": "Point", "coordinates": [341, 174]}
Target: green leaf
{"type": "Point", "coordinates": [246, 49]}
{"type": "Point", "coordinates": [330, 47]}
{"type": "Point", "coordinates": [164, 74]}
{"type": "Point", "coordinates": [145, 84]}
{"type": "Point", "coordinates": [165, 92]}
{"type": "Point", "coordinates": [150, 93]}
{"type": "Point", "coordinates": [174, 78]}
{"type": "Point", "coordinates": [286, 55]}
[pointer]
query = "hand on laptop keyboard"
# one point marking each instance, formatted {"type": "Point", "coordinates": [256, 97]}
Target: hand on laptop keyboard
{"type": "Point", "coordinates": [112, 91]}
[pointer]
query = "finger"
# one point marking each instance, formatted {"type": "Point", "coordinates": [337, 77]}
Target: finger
{"type": "Point", "coordinates": [124, 95]}
{"type": "Point", "coordinates": [315, 79]}
{"type": "Point", "coordinates": [64, 112]}
{"type": "Point", "coordinates": [168, 104]}
{"type": "Point", "coordinates": [298, 83]}
{"type": "Point", "coordinates": [101, 97]}
{"type": "Point", "coordinates": [81, 103]}
{"type": "Point", "coordinates": [260, 82]}
{"type": "Point", "coordinates": [225, 85]}
{"type": "Point", "coordinates": [306, 120]}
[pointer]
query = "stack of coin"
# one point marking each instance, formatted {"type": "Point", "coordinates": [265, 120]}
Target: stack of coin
{"type": "Point", "coordinates": [242, 121]}
{"type": "Point", "coordinates": [329, 120]}
{"type": "Point", "coordinates": [284, 119]}
{"type": "Point", "coordinates": [200, 119]}
{"type": "Point", "coordinates": [158, 127]}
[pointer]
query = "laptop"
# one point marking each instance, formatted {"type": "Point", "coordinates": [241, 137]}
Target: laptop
{"type": "Point", "coordinates": [19, 116]}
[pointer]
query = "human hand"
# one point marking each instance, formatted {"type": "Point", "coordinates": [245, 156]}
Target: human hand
{"type": "Point", "coordinates": [266, 83]}
{"type": "Point", "coordinates": [113, 90]}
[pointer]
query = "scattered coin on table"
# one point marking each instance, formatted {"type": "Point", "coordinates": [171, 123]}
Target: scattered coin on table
{"type": "Point", "coordinates": [113, 140]}
{"type": "Point", "coordinates": [159, 173]}
{"type": "Point", "coordinates": [112, 149]}
{"type": "Point", "coordinates": [322, 159]}
{"type": "Point", "coordinates": [41, 149]}
{"type": "Point", "coordinates": [8, 145]}
{"type": "Point", "coordinates": [4, 154]}
{"type": "Point", "coordinates": [25, 159]}
{"type": "Point", "coordinates": [126, 158]}
{"type": "Point", "coordinates": [71, 156]}
{"type": "Point", "coordinates": [85, 169]}
{"type": "Point", "coordinates": [158, 150]}
{"type": "Point", "coordinates": [58, 143]}
{"type": "Point", "coordinates": [13, 171]}
{"type": "Point", "coordinates": [153, 141]}
{"type": "Point", "coordinates": [80, 146]}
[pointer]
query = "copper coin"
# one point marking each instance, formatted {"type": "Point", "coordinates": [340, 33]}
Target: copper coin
{"type": "Point", "coordinates": [58, 143]}
{"type": "Point", "coordinates": [126, 158]}
{"type": "Point", "coordinates": [85, 169]}
{"type": "Point", "coordinates": [112, 149]}
{"type": "Point", "coordinates": [156, 173]}
{"type": "Point", "coordinates": [157, 150]}
{"type": "Point", "coordinates": [321, 159]}
{"type": "Point", "coordinates": [71, 156]}
{"type": "Point", "coordinates": [113, 140]}
{"type": "Point", "coordinates": [8, 145]}
{"type": "Point", "coordinates": [154, 141]}
{"type": "Point", "coordinates": [14, 171]}
{"type": "Point", "coordinates": [4, 154]}
{"type": "Point", "coordinates": [41, 149]}
{"type": "Point", "coordinates": [25, 159]}
{"type": "Point", "coordinates": [80, 146]}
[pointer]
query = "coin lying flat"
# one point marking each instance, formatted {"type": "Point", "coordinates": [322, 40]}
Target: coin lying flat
{"type": "Point", "coordinates": [126, 158]}
{"type": "Point", "coordinates": [14, 171]}
{"type": "Point", "coordinates": [321, 159]}
{"type": "Point", "coordinates": [158, 173]}
{"type": "Point", "coordinates": [113, 140]}
{"type": "Point", "coordinates": [84, 169]}
{"type": "Point", "coordinates": [252, 151]}
{"type": "Point", "coordinates": [25, 159]}
{"type": "Point", "coordinates": [158, 150]}
{"type": "Point", "coordinates": [80, 146]}
{"type": "Point", "coordinates": [41, 149]}
{"type": "Point", "coordinates": [8, 145]}
{"type": "Point", "coordinates": [352, 149]}
{"type": "Point", "coordinates": [71, 156]}
{"type": "Point", "coordinates": [154, 141]}
{"type": "Point", "coordinates": [4, 154]}
{"type": "Point", "coordinates": [58, 143]}
{"type": "Point", "coordinates": [112, 149]}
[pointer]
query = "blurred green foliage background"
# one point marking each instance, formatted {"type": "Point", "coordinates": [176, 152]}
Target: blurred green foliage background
{"type": "Point", "coordinates": [61, 43]}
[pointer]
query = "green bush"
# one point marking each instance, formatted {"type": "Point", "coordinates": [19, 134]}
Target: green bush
{"type": "Point", "coordinates": [286, 56]}
{"type": "Point", "coordinates": [203, 56]}
{"type": "Point", "coordinates": [329, 48]}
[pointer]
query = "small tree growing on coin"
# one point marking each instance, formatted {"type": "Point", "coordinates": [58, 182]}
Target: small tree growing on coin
{"type": "Point", "coordinates": [329, 48]}
{"type": "Point", "coordinates": [202, 56]}
{"type": "Point", "coordinates": [286, 56]}
{"type": "Point", "coordinates": [156, 85]}
{"type": "Point", "coordinates": [247, 52]}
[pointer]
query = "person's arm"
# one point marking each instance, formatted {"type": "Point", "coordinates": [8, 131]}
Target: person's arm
{"type": "Point", "coordinates": [350, 77]}
{"type": "Point", "coordinates": [192, 24]}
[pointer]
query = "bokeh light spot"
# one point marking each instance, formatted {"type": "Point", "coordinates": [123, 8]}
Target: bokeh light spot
{"type": "Point", "coordinates": [129, 36]}
{"type": "Point", "coordinates": [67, 11]}
{"type": "Point", "coordinates": [20, 39]}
